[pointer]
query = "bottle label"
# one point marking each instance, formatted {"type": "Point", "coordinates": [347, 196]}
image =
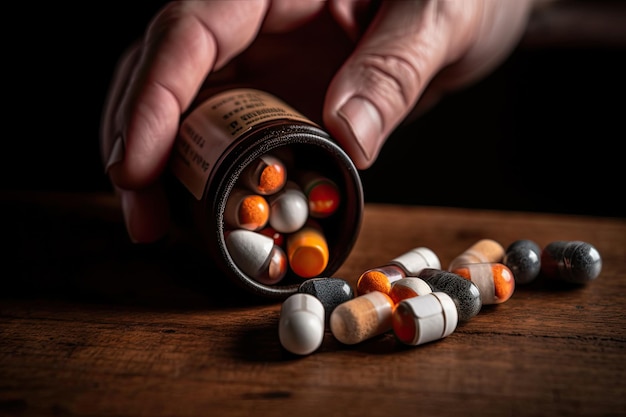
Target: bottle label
{"type": "Point", "coordinates": [219, 121]}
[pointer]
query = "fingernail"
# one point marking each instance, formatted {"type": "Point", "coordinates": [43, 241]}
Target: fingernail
{"type": "Point", "coordinates": [117, 153]}
{"type": "Point", "coordinates": [365, 123]}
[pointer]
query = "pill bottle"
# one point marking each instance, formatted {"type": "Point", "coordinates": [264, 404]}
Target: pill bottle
{"type": "Point", "coordinates": [227, 131]}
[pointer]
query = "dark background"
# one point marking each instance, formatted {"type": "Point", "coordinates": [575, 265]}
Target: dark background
{"type": "Point", "coordinates": [544, 132]}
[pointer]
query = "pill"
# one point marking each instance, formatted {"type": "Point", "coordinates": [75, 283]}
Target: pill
{"type": "Point", "coordinates": [289, 209]}
{"type": "Point", "coordinates": [379, 279]}
{"type": "Point", "coordinates": [322, 193]}
{"type": "Point", "coordinates": [407, 288]}
{"type": "Point", "coordinates": [495, 281]}
{"type": "Point", "coordinates": [301, 324]}
{"type": "Point", "coordinates": [464, 292]}
{"type": "Point", "coordinates": [575, 262]}
{"type": "Point", "coordinates": [279, 238]}
{"type": "Point", "coordinates": [484, 250]}
{"type": "Point", "coordinates": [257, 256]}
{"type": "Point", "coordinates": [330, 291]}
{"type": "Point", "coordinates": [362, 318]}
{"type": "Point", "coordinates": [246, 210]}
{"type": "Point", "coordinates": [523, 258]}
{"type": "Point", "coordinates": [307, 251]}
{"type": "Point", "coordinates": [405, 265]}
{"type": "Point", "coordinates": [266, 175]}
{"type": "Point", "coordinates": [424, 319]}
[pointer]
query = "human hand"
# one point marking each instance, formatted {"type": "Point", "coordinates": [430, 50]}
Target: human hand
{"type": "Point", "coordinates": [392, 61]}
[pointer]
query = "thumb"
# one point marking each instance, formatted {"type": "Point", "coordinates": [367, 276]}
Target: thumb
{"type": "Point", "coordinates": [379, 84]}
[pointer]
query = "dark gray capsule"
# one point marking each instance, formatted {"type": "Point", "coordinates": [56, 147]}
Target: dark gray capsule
{"type": "Point", "coordinates": [575, 262]}
{"type": "Point", "coordinates": [523, 258]}
{"type": "Point", "coordinates": [330, 291]}
{"type": "Point", "coordinates": [464, 292]}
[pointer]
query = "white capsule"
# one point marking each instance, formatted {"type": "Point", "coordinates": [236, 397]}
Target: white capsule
{"type": "Point", "coordinates": [301, 324]}
{"type": "Point", "coordinates": [426, 318]}
{"type": "Point", "coordinates": [257, 255]}
{"type": "Point", "coordinates": [417, 259]}
{"type": "Point", "coordinates": [289, 208]}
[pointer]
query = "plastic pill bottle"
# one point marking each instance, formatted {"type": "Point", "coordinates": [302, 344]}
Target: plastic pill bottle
{"type": "Point", "coordinates": [229, 130]}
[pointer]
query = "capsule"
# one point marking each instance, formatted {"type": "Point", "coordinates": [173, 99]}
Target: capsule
{"type": "Point", "coordinates": [424, 319]}
{"type": "Point", "coordinates": [464, 292]}
{"type": "Point", "coordinates": [321, 192]}
{"type": "Point", "coordinates": [523, 258]}
{"type": "Point", "coordinates": [301, 324]}
{"type": "Point", "coordinates": [266, 175]}
{"type": "Point", "coordinates": [406, 265]}
{"type": "Point", "coordinates": [575, 262]}
{"type": "Point", "coordinates": [484, 250]}
{"type": "Point", "coordinates": [279, 238]}
{"type": "Point", "coordinates": [257, 256]}
{"type": "Point", "coordinates": [408, 287]}
{"type": "Point", "coordinates": [307, 251]}
{"type": "Point", "coordinates": [246, 210]}
{"type": "Point", "coordinates": [330, 291]}
{"type": "Point", "coordinates": [495, 281]}
{"type": "Point", "coordinates": [289, 209]}
{"type": "Point", "coordinates": [361, 318]}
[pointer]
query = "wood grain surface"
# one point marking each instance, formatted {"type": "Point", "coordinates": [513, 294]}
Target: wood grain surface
{"type": "Point", "coordinates": [91, 325]}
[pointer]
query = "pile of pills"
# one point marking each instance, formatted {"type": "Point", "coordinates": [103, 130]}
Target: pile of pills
{"type": "Point", "coordinates": [273, 220]}
{"type": "Point", "coordinates": [418, 301]}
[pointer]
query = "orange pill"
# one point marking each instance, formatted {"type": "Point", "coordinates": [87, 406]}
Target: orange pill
{"type": "Point", "coordinates": [267, 175]}
{"type": "Point", "coordinates": [379, 279]}
{"type": "Point", "coordinates": [246, 210]}
{"type": "Point", "coordinates": [321, 192]}
{"type": "Point", "coordinates": [307, 251]}
{"type": "Point", "coordinates": [407, 264]}
{"type": "Point", "coordinates": [495, 281]}
{"type": "Point", "coordinates": [279, 238]}
{"type": "Point", "coordinates": [408, 287]}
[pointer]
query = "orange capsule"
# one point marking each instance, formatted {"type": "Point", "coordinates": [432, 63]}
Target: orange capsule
{"type": "Point", "coordinates": [321, 192]}
{"type": "Point", "coordinates": [424, 319]}
{"type": "Point", "coordinates": [279, 238]}
{"type": "Point", "coordinates": [407, 264]}
{"type": "Point", "coordinates": [408, 287]}
{"type": "Point", "coordinates": [495, 281]}
{"type": "Point", "coordinates": [307, 251]}
{"type": "Point", "coordinates": [267, 175]}
{"type": "Point", "coordinates": [246, 210]}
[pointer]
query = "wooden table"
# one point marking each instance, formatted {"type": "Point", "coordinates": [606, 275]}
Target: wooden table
{"type": "Point", "coordinates": [91, 325]}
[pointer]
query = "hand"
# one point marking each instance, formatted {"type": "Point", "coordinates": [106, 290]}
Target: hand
{"type": "Point", "coordinates": [359, 67]}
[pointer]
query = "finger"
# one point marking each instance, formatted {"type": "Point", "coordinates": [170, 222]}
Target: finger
{"type": "Point", "coordinates": [146, 213]}
{"type": "Point", "coordinates": [285, 15]}
{"type": "Point", "coordinates": [497, 30]}
{"type": "Point", "coordinates": [353, 16]}
{"type": "Point", "coordinates": [184, 42]}
{"type": "Point", "coordinates": [405, 45]}
{"type": "Point", "coordinates": [121, 77]}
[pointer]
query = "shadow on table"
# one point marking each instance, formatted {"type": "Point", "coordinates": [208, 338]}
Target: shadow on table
{"type": "Point", "coordinates": [75, 247]}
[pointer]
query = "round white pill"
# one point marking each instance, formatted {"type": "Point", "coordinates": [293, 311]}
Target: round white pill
{"type": "Point", "coordinates": [301, 325]}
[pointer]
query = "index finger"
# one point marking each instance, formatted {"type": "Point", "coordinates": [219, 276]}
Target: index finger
{"type": "Point", "coordinates": [183, 44]}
